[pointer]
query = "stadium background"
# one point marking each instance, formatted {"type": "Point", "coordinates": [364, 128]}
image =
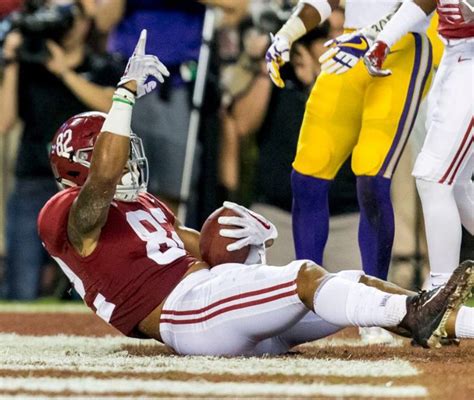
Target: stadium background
{"type": "Point", "coordinates": [237, 173]}
{"type": "Point", "coordinates": [230, 77]}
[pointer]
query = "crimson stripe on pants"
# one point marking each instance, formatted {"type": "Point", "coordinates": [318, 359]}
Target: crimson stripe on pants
{"type": "Point", "coordinates": [461, 161]}
{"type": "Point", "coordinates": [453, 163]}
{"type": "Point", "coordinates": [229, 308]}
{"type": "Point", "coordinates": [231, 298]}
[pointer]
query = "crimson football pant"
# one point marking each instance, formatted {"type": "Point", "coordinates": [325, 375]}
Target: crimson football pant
{"type": "Point", "coordinates": [235, 309]}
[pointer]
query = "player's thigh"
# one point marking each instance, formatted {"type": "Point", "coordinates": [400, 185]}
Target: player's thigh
{"type": "Point", "coordinates": [231, 308]}
{"type": "Point", "coordinates": [390, 107]}
{"type": "Point", "coordinates": [449, 143]}
{"type": "Point", "coordinates": [331, 124]}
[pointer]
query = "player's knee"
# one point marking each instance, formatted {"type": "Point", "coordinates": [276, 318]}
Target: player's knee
{"type": "Point", "coordinates": [316, 159]}
{"type": "Point", "coordinates": [426, 167]}
{"type": "Point", "coordinates": [428, 190]}
{"type": "Point", "coordinates": [354, 275]}
{"type": "Point", "coordinates": [310, 276]}
{"type": "Point", "coordinates": [368, 158]}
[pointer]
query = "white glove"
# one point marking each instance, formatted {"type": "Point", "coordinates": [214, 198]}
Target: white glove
{"type": "Point", "coordinates": [140, 66]}
{"type": "Point", "coordinates": [277, 55]}
{"type": "Point", "coordinates": [254, 229]}
{"type": "Point", "coordinates": [344, 52]}
{"type": "Point", "coordinates": [257, 255]}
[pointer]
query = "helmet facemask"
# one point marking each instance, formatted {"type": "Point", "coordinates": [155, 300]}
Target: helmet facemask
{"type": "Point", "coordinates": [135, 180]}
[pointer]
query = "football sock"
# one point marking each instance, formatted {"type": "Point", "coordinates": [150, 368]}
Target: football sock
{"type": "Point", "coordinates": [465, 323]}
{"type": "Point", "coordinates": [442, 226]}
{"type": "Point", "coordinates": [310, 213]}
{"type": "Point", "coordinates": [437, 280]}
{"type": "Point", "coordinates": [376, 227]}
{"type": "Point", "coordinates": [345, 303]}
{"type": "Point", "coordinates": [464, 195]}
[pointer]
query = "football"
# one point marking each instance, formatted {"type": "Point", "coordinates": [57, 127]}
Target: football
{"type": "Point", "coordinates": [213, 246]}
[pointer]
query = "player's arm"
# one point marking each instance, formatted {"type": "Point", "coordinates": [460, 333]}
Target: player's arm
{"type": "Point", "coordinates": [190, 238]}
{"type": "Point", "coordinates": [9, 83]}
{"type": "Point", "coordinates": [410, 14]}
{"type": "Point", "coordinates": [89, 211]}
{"type": "Point", "coordinates": [308, 15]}
{"type": "Point", "coordinates": [109, 13]}
{"type": "Point", "coordinates": [95, 97]}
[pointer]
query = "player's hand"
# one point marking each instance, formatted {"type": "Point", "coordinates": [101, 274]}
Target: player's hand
{"type": "Point", "coordinates": [252, 228]}
{"type": "Point", "coordinates": [375, 58]}
{"type": "Point", "coordinates": [12, 42]}
{"type": "Point", "coordinates": [56, 62]}
{"type": "Point", "coordinates": [344, 52]}
{"type": "Point", "coordinates": [141, 66]}
{"type": "Point", "coordinates": [277, 55]}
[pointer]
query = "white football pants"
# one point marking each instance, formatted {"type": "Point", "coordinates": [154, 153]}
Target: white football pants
{"type": "Point", "coordinates": [235, 309]}
{"type": "Point", "coordinates": [445, 165]}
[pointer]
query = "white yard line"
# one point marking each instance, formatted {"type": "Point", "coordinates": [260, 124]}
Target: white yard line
{"type": "Point", "coordinates": [355, 342]}
{"type": "Point", "coordinates": [38, 397]}
{"type": "Point", "coordinates": [44, 308]}
{"type": "Point", "coordinates": [199, 388]}
{"type": "Point", "coordinates": [236, 367]}
{"type": "Point", "coordinates": [107, 354]}
{"type": "Point", "coordinates": [85, 354]}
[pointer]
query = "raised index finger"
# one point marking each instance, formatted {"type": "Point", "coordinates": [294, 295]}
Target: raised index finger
{"type": "Point", "coordinates": [141, 44]}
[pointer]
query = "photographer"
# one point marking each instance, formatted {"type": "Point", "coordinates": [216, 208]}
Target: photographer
{"type": "Point", "coordinates": [43, 90]}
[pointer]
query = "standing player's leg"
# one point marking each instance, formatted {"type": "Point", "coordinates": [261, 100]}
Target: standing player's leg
{"type": "Point", "coordinates": [444, 168]}
{"type": "Point", "coordinates": [390, 108]}
{"type": "Point", "coordinates": [328, 134]}
{"type": "Point", "coordinates": [464, 195]}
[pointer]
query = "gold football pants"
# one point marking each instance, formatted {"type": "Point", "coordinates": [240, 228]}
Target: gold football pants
{"type": "Point", "coordinates": [367, 116]}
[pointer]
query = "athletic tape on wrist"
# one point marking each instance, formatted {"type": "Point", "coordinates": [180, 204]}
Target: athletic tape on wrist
{"type": "Point", "coordinates": [405, 19]}
{"type": "Point", "coordinates": [323, 7]}
{"type": "Point", "coordinates": [119, 118]}
{"type": "Point", "coordinates": [293, 29]}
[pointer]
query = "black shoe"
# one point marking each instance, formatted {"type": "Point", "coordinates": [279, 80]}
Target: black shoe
{"type": "Point", "coordinates": [443, 341]}
{"type": "Point", "coordinates": [428, 312]}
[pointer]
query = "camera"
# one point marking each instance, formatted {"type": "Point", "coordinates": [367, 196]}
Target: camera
{"type": "Point", "coordinates": [39, 22]}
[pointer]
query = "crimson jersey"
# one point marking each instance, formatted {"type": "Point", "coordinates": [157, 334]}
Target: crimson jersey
{"type": "Point", "coordinates": [138, 261]}
{"type": "Point", "coordinates": [456, 18]}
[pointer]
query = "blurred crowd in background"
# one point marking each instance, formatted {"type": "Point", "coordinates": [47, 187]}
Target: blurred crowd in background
{"type": "Point", "coordinates": [60, 63]}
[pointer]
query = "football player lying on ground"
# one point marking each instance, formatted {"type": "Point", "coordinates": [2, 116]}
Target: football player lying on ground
{"type": "Point", "coordinates": [140, 270]}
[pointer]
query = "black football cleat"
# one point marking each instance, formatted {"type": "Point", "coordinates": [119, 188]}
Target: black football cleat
{"type": "Point", "coordinates": [428, 312]}
{"type": "Point", "coordinates": [444, 341]}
